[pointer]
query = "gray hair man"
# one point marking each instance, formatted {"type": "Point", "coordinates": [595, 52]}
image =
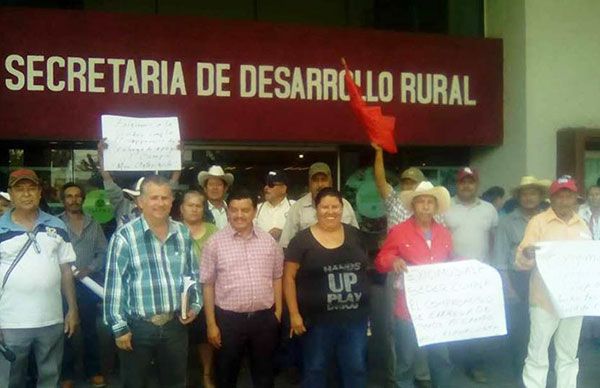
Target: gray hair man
{"type": "Point", "coordinates": [148, 260]}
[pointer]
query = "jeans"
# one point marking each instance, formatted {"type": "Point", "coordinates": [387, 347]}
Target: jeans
{"type": "Point", "coordinates": [47, 346]}
{"type": "Point", "coordinates": [407, 349]}
{"type": "Point", "coordinates": [517, 319]}
{"type": "Point", "coordinates": [545, 326]}
{"type": "Point", "coordinates": [346, 343]}
{"type": "Point", "coordinates": [88, 311]}
{"type": "Point", "coordinates": [166, 345]}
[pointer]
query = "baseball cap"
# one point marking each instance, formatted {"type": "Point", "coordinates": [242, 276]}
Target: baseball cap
{"type": "Point", "coordinates": [274, 177]}
{"type": "Point", "coordinates": [467, 172]}
{"type": "Point", "coordinates": [413, 174]}
{"type": "Point", "coordinates": [319, 168]}
{"type": "Point", "coordinates": [22, 174]}
{"type": "Point", "coordinates": [565, 182]}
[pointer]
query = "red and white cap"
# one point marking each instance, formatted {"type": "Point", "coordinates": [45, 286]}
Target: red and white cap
{"type": "Point", "coordinates": [565, 182]}
{"type": "Point", "coordinates": [467, 172]}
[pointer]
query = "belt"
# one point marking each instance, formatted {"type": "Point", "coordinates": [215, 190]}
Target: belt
{"type": "Point", "coordinates": [160, 319]}
{"type": "Point", "coordinates": [244, 314]}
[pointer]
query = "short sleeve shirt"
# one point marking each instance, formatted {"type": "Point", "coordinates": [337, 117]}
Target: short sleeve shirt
{"type": "Point", "coordinates": [242, 269]}
{"type": "Point", "coordinates": [471, 226]}
{"type": "Point", "coordinates": [331, 284]}
{"type": "Point", "coordinates": [269, 216]}
{"type": "Point", "coordinates": [32, 294]}
{"type": "Point", "coordinates": [303, 214]}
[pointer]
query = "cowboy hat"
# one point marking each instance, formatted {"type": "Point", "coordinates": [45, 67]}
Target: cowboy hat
{"type": "Point", "coordinates": [531, 181]}
{"type": "Point", "coordinates": [215, 172]}
{"type": "Point", "coordinates": [427, 188]}
{"type": "Point", "coordinates": [137, 189]}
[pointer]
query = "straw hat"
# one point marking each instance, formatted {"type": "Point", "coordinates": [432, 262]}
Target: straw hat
{"type": "Point", "coordinates": [531, 181]}
{"type": "Point", "coordinates": [215, 172]}
{"type": "Point", "coordinates": [427, 188]}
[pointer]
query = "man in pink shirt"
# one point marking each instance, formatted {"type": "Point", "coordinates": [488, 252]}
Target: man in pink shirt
{"type": "Point", "coordinates": [241, 271]}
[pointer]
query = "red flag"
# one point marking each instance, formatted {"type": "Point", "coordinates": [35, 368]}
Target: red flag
{"type": "Point", "coordinates": [380, 128]}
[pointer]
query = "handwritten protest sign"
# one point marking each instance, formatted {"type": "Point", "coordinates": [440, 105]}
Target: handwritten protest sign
{"type": "Point", "coordinates": [571, 272]}
{"type": "Point", "coordinates": [141, 144]}
{"type": "Point", "coordinates": [455, 301]}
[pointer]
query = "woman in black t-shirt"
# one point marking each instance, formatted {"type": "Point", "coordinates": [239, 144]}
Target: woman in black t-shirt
{"type": "Point", "coordinates": [326, 291]}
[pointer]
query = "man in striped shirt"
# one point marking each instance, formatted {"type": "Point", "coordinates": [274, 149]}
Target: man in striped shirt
{"type": "Point", "coordinates": [89, 243]}
{"type": "Point", "coordinates": [147, 261]}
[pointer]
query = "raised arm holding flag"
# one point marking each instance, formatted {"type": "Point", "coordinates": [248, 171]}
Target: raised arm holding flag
{"type": "Point", "coordinates": [380, 128]}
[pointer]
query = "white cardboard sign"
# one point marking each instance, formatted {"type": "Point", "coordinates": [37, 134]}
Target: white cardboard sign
{"type": "Point", "coordinates": [141, 144]}
{"type": "Point", "coordinates": [571, 272]}
{"type": "Point", "coordinates": [455, 301]}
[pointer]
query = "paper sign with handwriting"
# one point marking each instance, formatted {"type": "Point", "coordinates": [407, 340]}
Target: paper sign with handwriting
{"type": "Point", "coordinates": [455, 301]}
{"type": "Point", "coordinates": [141, 144]}
{"type": "Point", "coordinates": [571, 272]}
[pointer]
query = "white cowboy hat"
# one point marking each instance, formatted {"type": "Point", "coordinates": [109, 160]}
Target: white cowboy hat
{"type": "Point", "coordinates": [530, 181]}
{"type": "Point", "coordinates": [427, 188]}
{"type": "Point", "coordinates": [215, 172]}
{"type": "Point", "coordinates": [137, 188]}
{"type": "Point", "coordinates": [5, 195]}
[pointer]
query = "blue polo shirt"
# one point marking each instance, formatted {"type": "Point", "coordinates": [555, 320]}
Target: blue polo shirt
{"type": "Point", "coordinates": [32, 295]}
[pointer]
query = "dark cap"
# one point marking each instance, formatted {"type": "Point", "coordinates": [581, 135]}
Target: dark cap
{"type": "Point", "coordinates": [467, 172]}
{"type": "Point", "coordinates": [22, 174]}
{"type": "Point", "coordinates": [275, 176]}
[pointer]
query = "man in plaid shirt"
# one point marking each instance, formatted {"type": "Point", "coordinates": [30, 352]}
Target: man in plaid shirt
{"type": "Point", "coordinates": [241, 270]}
{"type": "Point", "coordinates": [147, 261]}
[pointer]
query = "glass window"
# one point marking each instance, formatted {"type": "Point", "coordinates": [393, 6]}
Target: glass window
{"type": "Point", "coordinates": [250, 164]}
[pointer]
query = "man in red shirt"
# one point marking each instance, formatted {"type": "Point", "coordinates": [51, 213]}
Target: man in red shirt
{"type": "Point", "coordinates": [418, 240]}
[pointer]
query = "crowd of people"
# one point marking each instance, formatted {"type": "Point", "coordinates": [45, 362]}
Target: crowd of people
{"type": "Point", "coordinates": [258, 269]}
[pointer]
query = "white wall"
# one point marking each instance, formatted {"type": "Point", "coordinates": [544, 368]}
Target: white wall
{"type": "Point", "coordinates": [503, 165]}
{"type": "Point", "coordinates": [562, 72]}
{"type": "Point", "coordinates": [551, 81]}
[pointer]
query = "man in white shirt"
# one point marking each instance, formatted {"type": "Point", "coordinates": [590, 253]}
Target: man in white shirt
{"type": "Point", "coordinates": [472, 223]}
{"type": "Point", "coordinates": [215, 183]}
{"type": "Point", "coordinates": [272, 213]}
{"type": "Point", "coordinates": [303, 213]}
{"type": "Point", "coordinates": [35, 266]}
